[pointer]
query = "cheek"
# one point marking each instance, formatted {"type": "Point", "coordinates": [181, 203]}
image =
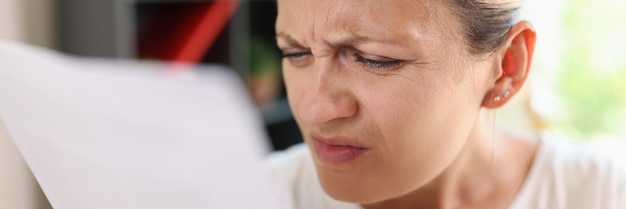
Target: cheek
{"type": "Point", "coordinates": [406, 111]}
{"type": "Point", "coordinates": [426, 119]}
{"type": "Point", "coordinates": [423, 125]}
{"type": "Point", "coordinates": [434, 107]}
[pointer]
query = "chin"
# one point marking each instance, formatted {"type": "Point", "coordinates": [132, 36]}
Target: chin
{"type": "Point", "coordinates": [345, 194]}
{"type": "Point", "coordinates": [357, 188]}
{"type": "Point", "coordinates": [373, 183]}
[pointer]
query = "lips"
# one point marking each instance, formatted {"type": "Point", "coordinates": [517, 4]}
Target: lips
{"type": "Point", "coordinates": [336, 151]}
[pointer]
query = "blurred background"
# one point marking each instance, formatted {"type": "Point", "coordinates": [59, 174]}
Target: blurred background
{"type": "Point", "coordinates": [577, 89]}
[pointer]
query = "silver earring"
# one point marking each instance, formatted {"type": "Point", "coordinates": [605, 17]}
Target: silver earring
{"type": "Point", "coordinates": [506, 94]}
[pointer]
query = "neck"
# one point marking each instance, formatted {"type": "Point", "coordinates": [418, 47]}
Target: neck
{"type": "Point", "coordinates": [483, 168]}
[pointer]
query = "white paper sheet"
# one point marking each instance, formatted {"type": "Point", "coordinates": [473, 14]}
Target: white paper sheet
{"type": "Point", "coordinates": [123, 135]}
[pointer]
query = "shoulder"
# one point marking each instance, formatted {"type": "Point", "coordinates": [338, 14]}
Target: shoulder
{"type": "Point", "coordinates": [295, 178]}
{"type": "Point", "coordinates": [569, 175]}
{"type": "Point", "coordinates": [579, 166]}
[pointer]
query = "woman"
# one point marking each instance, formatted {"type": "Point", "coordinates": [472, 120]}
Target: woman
{"type": "Point", "coordinates": [388, 96]}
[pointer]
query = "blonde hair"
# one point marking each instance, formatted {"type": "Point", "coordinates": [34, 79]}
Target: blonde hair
{"type": "Point", "coordinates": [486, 22]}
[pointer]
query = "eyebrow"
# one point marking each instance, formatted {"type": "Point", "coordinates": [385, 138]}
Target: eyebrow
{"type": "Point", "coordinates": [351, 40]}
{"type": "Point", "coordinates": [290, 40]}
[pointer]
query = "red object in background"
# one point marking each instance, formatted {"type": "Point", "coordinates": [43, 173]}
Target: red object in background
{"type": "Point", "coordinates": [183, 32]}
{"type": "Point", "coordinates": [206, 32]}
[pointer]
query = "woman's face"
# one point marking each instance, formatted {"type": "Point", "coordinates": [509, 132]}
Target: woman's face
{"type": "Point", "coordinates": [385, 92]}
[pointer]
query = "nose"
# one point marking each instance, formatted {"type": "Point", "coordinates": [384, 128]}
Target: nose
{"type": "Point", "coordinates": [328, 98]}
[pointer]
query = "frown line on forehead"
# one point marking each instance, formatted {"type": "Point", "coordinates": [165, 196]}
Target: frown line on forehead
{"type": "Point", "coordinates": [342, 38]}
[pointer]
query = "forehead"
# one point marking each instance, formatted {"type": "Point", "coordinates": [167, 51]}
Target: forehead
{"type": "Point", "coordinates": [390, 20]}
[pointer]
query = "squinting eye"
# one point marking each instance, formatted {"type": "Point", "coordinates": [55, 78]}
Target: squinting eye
{"type": "Point", "coordinates": [378, 64]}
{"type": "Point", "coordinates": [295, 54]}
{"type": "Point", "coordinates": [297, 58]}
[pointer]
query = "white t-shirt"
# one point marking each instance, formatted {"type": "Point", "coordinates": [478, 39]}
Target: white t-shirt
{"type": "Point", "coordinates": [562, 176]}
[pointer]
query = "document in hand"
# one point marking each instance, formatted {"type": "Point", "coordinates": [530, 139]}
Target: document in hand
{"type": "Point", "coordinates": [121, 134]}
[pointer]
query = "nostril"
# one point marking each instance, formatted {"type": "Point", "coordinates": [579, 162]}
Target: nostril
{"type": "Point", "coordinates": [312, 112]}
{"type": "Point", "coordinates": [321, 109]}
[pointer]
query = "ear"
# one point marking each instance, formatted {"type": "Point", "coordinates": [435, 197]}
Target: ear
{"type": "Point", "coordinates": [514, 58]}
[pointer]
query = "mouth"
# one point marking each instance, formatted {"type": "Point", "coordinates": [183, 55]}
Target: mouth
{"type": "Point", "coordinates": [336, 151]}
